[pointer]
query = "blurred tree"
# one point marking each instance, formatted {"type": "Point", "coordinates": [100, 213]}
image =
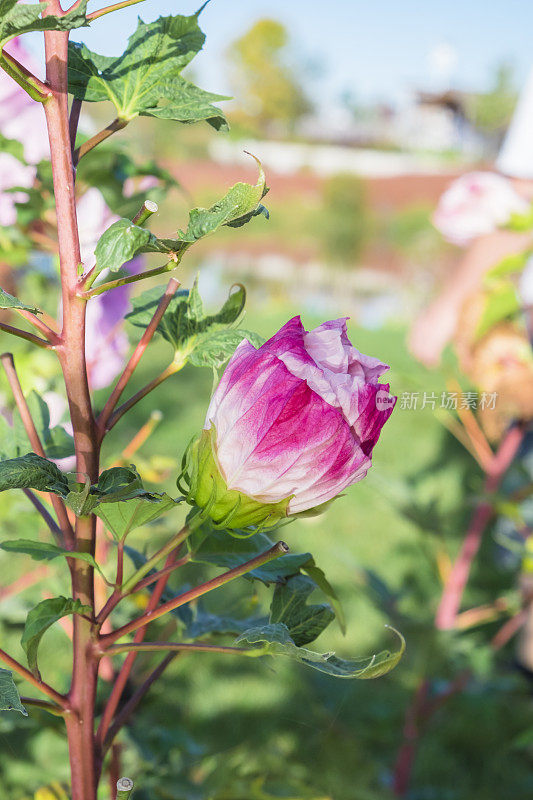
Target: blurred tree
{"type": "Point", "coordinates": [268, 87]}
{"type": "Point", "coordinates": [491, 112]}
{"type": "Point", "coordinates": [345, 219]}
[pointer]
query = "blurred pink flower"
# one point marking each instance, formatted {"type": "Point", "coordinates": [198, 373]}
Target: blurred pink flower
{"type": "Point", "coordinates": [13, 173]}
{"type": "Point", "coordinates": [476, 204]}
{"type": "Point", "coordinates": [106, 342]}
{"type": "Point", "coordinates": [295, 420]}
{"type": "Point", "coordinates": [22, 118]}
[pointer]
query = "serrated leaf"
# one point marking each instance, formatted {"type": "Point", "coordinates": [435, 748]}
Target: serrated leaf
{"type": "Point", "coordinates": [17, 18]}
{"type": "Point", "coordinates": [275, 640]}
{"type": "Point", "coordinates": [45, 551]}
{"type": "Point", "coordinates": [42, 617]}
{"type": "Point", "coordinates": [8, 301]}
{"type": "Point", "coordinates": [120, 518]}
{"type": "Point", "coordinates": [9, 696]}
{"type": "Point", "coordinates": [146, 79]}
{"type": "Point", "coordinates": [289, 605]}
{"type": "Point", "coordinates": [123, 240]}
{"type": "Point", "coordinates": [216, 348]}
{"type": "Point", "coordinates": [116, 484]}
{"type": "Point", "coordinates": [204, 340]}
{"type": "Point", "coordinates": [32, 472]}
{"type": "Point", "coordinates": [120, 243]}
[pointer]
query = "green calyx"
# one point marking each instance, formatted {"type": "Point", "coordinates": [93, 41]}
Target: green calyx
{"type": "Point", "coordinates": [203, 485]}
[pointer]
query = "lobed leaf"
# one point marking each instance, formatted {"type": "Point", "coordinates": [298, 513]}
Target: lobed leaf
{"type": "Point", "coordinates": [18, 17]}
{"type": "Point", "coordinates": [289, 606]}
{"type": "Point", "coordinates": [146, 79]}
{"type": "Point", "coordinates": [123, 240]}
{"type": "Point", "coordinates": [204, 340]}
{"type": "Point", "coordinates": [275, 639]}
{"type": "Point", "coordinates": [42, 617]}
{"type": "Point", "coordinates": [9, 696]}
{"type": "Point", "coordinates": [120, 518]}
{"type": "Point", "coordinates": [117, 484]}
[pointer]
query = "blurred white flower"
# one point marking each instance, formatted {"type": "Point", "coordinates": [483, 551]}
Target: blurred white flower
{"type": "Point", "coordinates": [476, 204]}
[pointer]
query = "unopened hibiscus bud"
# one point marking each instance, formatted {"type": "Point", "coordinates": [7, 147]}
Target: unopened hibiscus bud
{"type": "Point", "coordinates": [289, 426]}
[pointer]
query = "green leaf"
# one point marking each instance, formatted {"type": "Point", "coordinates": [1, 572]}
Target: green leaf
{"type": "Point", "coordinates": [146, 79]}
{"type": "Point", "coordinates": [202, 623]}
{"type": "Point", "coordinates": [13, 147]}
{"type": "Point", "coordinates": [123, 517]}
{"type": "Point", "coordinates": [507, 266]}
{"type": "Point", "coordinates": [289, 605]}
{"type": "Point", "coordinates": [501, 303]}
{"type": "Point", "coordinates": [123, 240]}
{"type": "Point", "coordinates": [117, 484]}
{"type": "Point", "coordinates": [205, 340]}
{"type": "Point", "coordinates": [45, 551]}
{"type": "Point", "coordinates": [13, 440]}
{"type": "Point", "coordinates": [275, 640]}
{"type": "Point", "coordinates": [42, 617]}
{"type": "Point", "coordinates": [32, 472]}
{"type": "Point", "coordinates": [9, 696]}
{"type": "Point", "coordinates": [120, 243]}
{"type": "Point", "coordinates": [216, 547]}
{"type": "Point", "coordinates": [216, 348]}
{"type": "Point", "coordinates": [318, 576]}
{"type": "Point", "coordinates": [8, 301]}
{"type": "Point", "coordinates": [17, 18]}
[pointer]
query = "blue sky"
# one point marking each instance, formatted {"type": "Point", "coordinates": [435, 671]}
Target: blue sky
{"type": "Point", "coordinates": [377, 50]}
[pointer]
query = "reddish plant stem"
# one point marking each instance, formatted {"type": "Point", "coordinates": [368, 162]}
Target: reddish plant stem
{"type": "Point", "coordinates": [29, 426]}
{"type": "Point", "coordinates": [43, 687]}
{"type": "Point", "coordinates": [136, 356]}
{"type": "Point", "coordinates": [29, 337]}
{"type": "Point", "coordinates": [128, 709]}
{"type": "Point", "coordinates": [146, 582]}
{"type": "Point", "coordinates": [71, 352]}
{"type": "Point", "coordinates": [450, 602]}
{"type": "Point", "coordinates": [95, 140]}
{"type": "Point", "coordinates": [109, 9]}
{"type": "Point", "coordinates": [421, 710]}
{"type": "Point", "coordinates": [50, 521]}
{"type": "Point", "coordinates": [73, 121]}
{"type": "Point", "coordinates": [127, 666]}
{"type": "Point", "coordinates": [141, 394]}
{"type": "Point", "coordinates": [279, 549]}
{"type": "Point", "coordinates": [406, 755]}
{"type": "Point", "coordinates": [49, 334]}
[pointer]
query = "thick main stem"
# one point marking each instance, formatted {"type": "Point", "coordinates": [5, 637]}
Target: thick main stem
{"type": "Point", "coordinates": [71, 352]}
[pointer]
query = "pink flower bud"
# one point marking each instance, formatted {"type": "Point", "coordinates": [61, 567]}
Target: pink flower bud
{"type": "Point", "coordinates": [295, 420]}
